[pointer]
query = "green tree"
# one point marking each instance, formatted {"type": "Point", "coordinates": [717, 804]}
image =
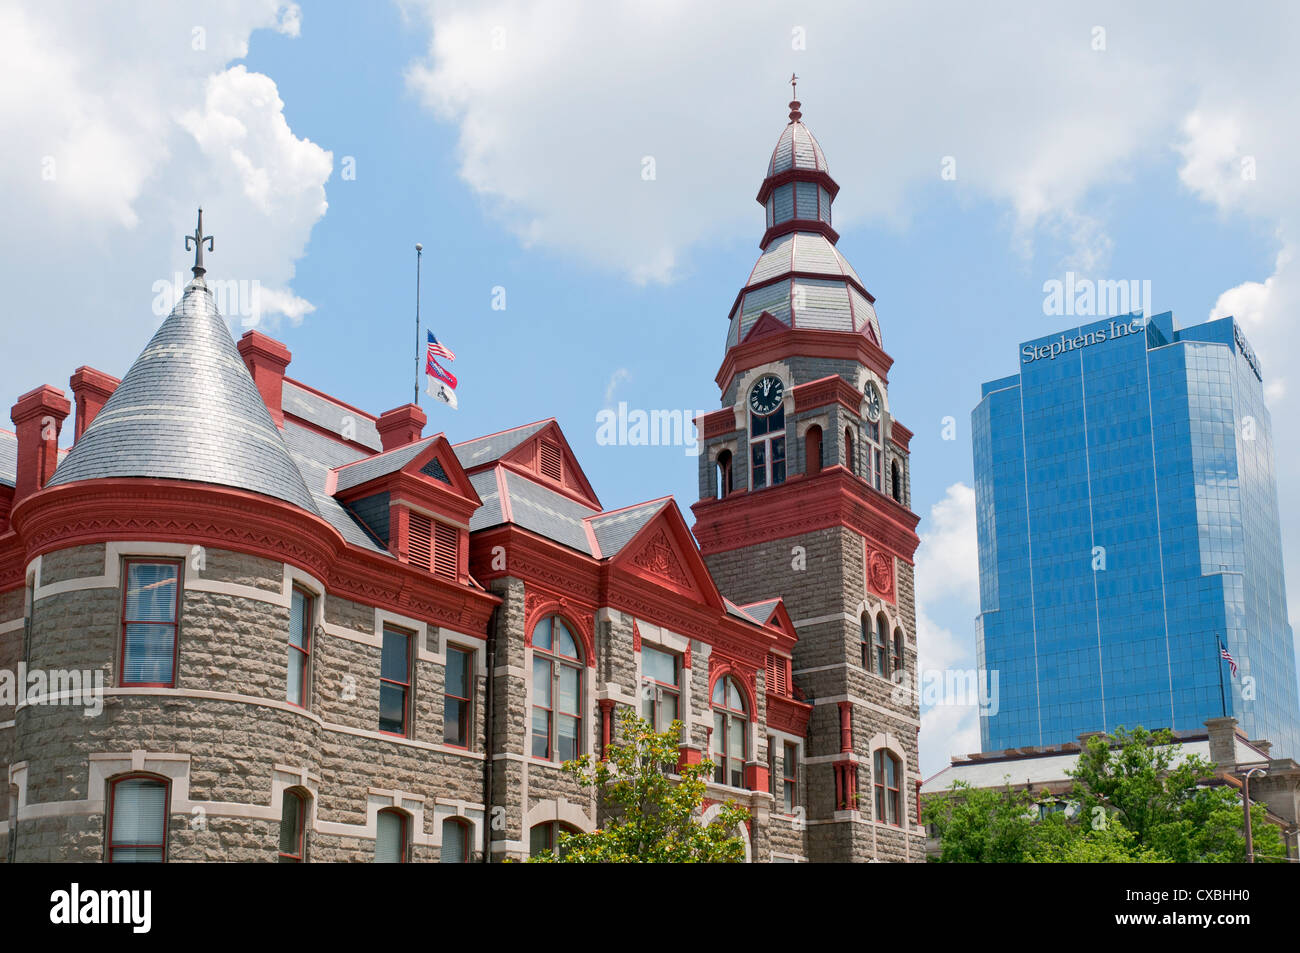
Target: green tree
{"type": "Point", "coordinates": [656, 818]}
{"type": "Point", "coordinates": [983, 825]}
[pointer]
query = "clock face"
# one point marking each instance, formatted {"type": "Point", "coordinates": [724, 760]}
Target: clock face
{"type": "Point", "coordinates": [766, 395]}
{"type": "Point", "coordinates": [873, 402]}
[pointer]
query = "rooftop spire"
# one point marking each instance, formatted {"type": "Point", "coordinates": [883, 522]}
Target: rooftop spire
{"type": "Point", "coordinates": [198, 238]}
{"type": "Point", "coordinates": [795, 114]}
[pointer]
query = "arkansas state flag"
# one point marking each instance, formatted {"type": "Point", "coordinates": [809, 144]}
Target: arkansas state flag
{"type": "Point", "coordinates": [442, 382]}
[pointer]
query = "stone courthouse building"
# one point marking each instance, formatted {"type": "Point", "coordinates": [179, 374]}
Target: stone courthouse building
{"type": "Point", "coordinates": [243, 620]}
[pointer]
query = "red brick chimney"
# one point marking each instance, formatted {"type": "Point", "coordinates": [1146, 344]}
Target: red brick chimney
{"type": "Point", "coordinates": [266, 359]}
{"type": "Point", "coordinates": [92, 389]}
{"type": "Point", "coordinates": [400, 426]}
{"type": "Point", "coordinates": [37, 417]}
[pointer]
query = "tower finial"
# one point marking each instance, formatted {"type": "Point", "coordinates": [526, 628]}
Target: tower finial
{"type": "Point", "coordinates": [198, 238]}
{"type": "Point", "coordinates": [795, 114]}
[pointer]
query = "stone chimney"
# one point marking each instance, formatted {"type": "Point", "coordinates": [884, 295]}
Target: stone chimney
{"type": "Point", "coordinates": [400, 426]}
{"type": "Point", "coordinates": [1223, 734]}
{"type": "Point", "coordinates": [38, 417]}
{"type": "Point", "coordinates": [92, 389]}
{"type": "Point", "coordinates": [266, 359]}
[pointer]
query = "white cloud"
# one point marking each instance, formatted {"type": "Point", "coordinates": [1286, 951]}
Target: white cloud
{"type": "Point", "coordinates": [947, 562]}
{"type": "Point", "coordinates": [119, 121]}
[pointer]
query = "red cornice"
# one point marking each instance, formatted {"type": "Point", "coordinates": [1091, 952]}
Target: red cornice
{"type": "Point", "coordinates": [804, 342]}
{"type": "Point", "coordinates": [774, 182]}
{"type": "Point", "coordinates": [827, 390]}
{"type": "Point", "coordinates": [786, 714]}
{"type": "Point", "coordinates": [899, 434]}
{"type": "Point", "coordinates": [717, 423]}
{"type": "Point", "coordinates": [95, 511]}
{"type": "Point", "coordinates": [799, 225]}
{"type": "Point", "coordinates": [835, 497]}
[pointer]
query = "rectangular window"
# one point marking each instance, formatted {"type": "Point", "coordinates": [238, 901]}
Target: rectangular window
{"type": "Point", "coordinates": [137, 821]}
{"type": "Point", "coordinates": [661, 687]}
{"type": "Point", "coordinates": [758, 470]}
{"type": "Point", "coordinates": [457, 697]}
{"type": "Point", "coordinates": [394, 682]}
{"type": "Point", "coordinates": [567, 735]}
{"type": "Point", "coordinates": [300, 625]}
{"type": "Point", "coordinates": [790, 777]}
{"type": "Point", "coordinates": [542, 712]}
{"type": "Point", "coordinates": [150, 609]}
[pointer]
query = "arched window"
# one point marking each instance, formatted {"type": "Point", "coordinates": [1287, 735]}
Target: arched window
{"type": "Point", "coordinates": [729, 733]}
{"type": "Point", "coordinates": [455, 841]}
{"type": "Point", "coordinates": [889, 798]}
{"type": "Point", "coordinates": [724, 474]}
{"type": "Point", "coordinates": [880, 647]}
{"type": "Point", "coordinates": [896, 481]}
{"type": "Point", "coordinates": [875, 454]}
{"type": "Point", "coordinates": [896, 661]}
{"type": "Point", "coordinates": [298, 690]}
{"type": "Point", "coordinates": [864, 623]}
{"type": "Point", "coordinates": [557, 691]}
{"type": "Point", "coordinates": [293, 827]}
{"type": "Point", "coordinates": [813, 450]}
{"type": "Point", "coordinates": [137, 820]}
{"type": "Point", "coordinates": [391, 837]}
{"type": "Point", "coordinates": [545, 838]}
{"type": "Point", "coordinates": [850, 458]}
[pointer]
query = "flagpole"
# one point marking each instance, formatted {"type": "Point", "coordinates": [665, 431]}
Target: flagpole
{"type": "Point", "coordinates": [419, 253]}
{"type": "Point", "coordinates": [1219, 661]}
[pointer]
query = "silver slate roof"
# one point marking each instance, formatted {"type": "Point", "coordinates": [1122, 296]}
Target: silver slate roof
{"type": "Point", "coordinates": [188, 410]}
{"type": "Point", "coordinates": [329, 415]}
{"type": "Point", "coordinates": [380, 464]}
{"type": "Point", "coordinates": [475, 453]}
{"type": "Point", "coordinates": [547, 513]}
{"type": "Point", "coordinates": [615, 530]}
{"type": "Point", "coordinates": [316, 456]}
{"type": "Point", "coordinates": [797, 148]}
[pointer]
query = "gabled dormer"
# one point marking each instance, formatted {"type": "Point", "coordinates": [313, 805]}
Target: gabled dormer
{"type": "Point", "coordinates": [545, 457]}
{"type": "Point", "coordinates": [416, 501]}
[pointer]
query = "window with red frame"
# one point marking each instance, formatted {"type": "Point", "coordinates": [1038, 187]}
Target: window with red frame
{"type": "Point", "coordinates": [557, 691]}
{"type": "Point", "coordinates": [137, 820]}
{"type": "Point", "coordinates": [293, 817]}
{"type": "Point", "coordinates": [790, 777]}
{"type": "Point", "coordinates": [298, 688]}
{"type": "Point", "coordinates": [455, 841]}
{"type": "Point", "coordinates": [395, 682]}
{"type": "Point", "coordinates": [888, 799]}
{"type": "Point", "coordinates": [545, 838]}
{"type": "Point", "coordinates": [150, 612]}
{"type": "Point", "coordinates": [390, 837]}
{"type": "Point", "coordinates": [660, 687]}
{"type": "Point", "coordinates": [730, 723]}
{"type": "Point", "coordinates": [458, 691]}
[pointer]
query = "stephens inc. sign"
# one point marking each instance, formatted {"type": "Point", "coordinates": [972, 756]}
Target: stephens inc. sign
{"type": "Point", "coordinates": [1051, 351]}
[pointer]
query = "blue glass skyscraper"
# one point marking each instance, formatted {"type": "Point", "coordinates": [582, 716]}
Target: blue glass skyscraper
{"type": "Point", "coordinates": [1128, 523]}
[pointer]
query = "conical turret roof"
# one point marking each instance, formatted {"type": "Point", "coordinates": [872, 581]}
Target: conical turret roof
{"type": "Point", "coordinates": [188, 410]}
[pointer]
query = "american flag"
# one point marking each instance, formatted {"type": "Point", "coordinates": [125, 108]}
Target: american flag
{"type": "Point", "coordinates": [439, 350]}
{"type": "Point", "coordinates": [1227, 656]}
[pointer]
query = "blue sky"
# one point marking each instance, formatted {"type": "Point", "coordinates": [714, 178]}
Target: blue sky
{"type": "Point", "coordinates": [515, 157]}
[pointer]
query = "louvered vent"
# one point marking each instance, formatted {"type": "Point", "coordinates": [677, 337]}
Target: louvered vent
{"type": "Point", "coordinates": [445, 550]}
{"type": "Point", "coordinates": [777, 680]}
{"type": "Point", "coordinates": [419, 540]}
{"type": "Point", "coordinates": [549, 461]}
{"type": "Point", "coordinates": [433, 546]}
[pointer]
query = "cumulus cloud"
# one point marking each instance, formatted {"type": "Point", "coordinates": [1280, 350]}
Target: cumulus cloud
{"type": "Point", "coordinates": [119, 122]}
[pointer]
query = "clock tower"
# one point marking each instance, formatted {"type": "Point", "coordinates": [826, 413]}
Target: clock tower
{"type": "Point", "coordinates": [805, 495]}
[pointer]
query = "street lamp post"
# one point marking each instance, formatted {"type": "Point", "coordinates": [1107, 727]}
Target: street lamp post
{"type": "Point", "coordinates": [1245, 803]}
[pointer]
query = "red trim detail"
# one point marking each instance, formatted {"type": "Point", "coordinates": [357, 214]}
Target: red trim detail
{"type": "Point", "coordinates": [400, 426]}
{"type": "Point", "coordinates": [773, 182]}
{"type": "Point", "coordinates": [132, 508]}
{"type": "Point", "coordinates": [606, 726]}
{"type": "Point", "coordinates": [799, 225]}
{"type": "Point", "coordinates": [766, 326]}
{"type": "Point", "coordinates": [826, 391]}
{"type": "Point", "coordinates": [851, 346]}
{"type": "Point", "coordinates": [798, 506]}
{"type": "Point", "coordinates": [636, 637]}
{"type": "Point", "coordinates": [38, 416]}
{"type": "Point", "coordinates": [717, 423]}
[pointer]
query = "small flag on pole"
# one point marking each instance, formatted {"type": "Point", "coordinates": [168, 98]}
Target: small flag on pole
{"type": "Point", "coordinates": [442, 382]}
{"type": "Point", "coordinates": [1227, 657]}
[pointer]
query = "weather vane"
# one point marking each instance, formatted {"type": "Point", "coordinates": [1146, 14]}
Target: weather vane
{"type": "Point", "coordinates": [795, 114]}
{"type": "Point", "coordinates": [794, 90]}
{"type": "Point", "coordinates": [198, 238]}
